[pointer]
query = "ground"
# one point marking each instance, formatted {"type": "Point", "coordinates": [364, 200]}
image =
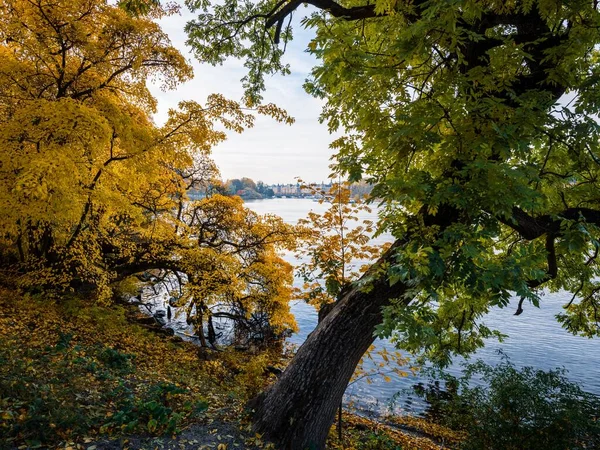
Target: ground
{"type": "Point", "coordinates": [81, 375]}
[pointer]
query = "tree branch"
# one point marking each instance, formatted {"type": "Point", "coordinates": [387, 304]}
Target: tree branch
{"type": "Point", "coordinates": [531, 227]}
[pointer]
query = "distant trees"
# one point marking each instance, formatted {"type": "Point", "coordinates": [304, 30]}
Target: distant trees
{"type": "Point", "coordinates": [264, 190]}
{"type": "Point", "coordinates": [234, 186]}
{"type": "Point", "coordinates": [248, 189]}
{"type": "Point", "coordinates": [248, 183]}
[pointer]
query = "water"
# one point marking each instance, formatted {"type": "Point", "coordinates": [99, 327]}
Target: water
{"type": "Point", "coordinates": [535, 337]}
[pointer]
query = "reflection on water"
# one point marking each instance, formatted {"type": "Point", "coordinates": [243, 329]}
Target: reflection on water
{"type": "Point", "coordinates": [535, 338]}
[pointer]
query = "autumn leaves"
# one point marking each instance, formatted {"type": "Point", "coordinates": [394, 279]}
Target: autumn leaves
{"type": "Point", "coordinates": [93, 191]}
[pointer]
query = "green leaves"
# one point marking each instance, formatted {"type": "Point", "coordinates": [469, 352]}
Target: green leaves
{"type": "Point", "coordinates": [455, 111]}
{"type": "Point", "coordinates": [237, 28]}
{"type": "Point", "coordinates": [515, 408]}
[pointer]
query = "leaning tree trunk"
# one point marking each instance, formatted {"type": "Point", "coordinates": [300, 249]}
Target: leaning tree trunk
{"type": "Point", "coordinates": [297, 412]}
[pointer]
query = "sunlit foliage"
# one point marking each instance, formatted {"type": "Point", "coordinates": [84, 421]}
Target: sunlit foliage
{"type": "Point", "coordinates": [93, 191]}
{"type": "Point", "coordinates": [336, 246]}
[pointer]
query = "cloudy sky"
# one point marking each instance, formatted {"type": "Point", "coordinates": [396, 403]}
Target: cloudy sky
{"type": "Point", "coordinates": [271, 152]}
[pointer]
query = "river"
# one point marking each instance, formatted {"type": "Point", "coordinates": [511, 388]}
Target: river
{"type": "Point", "coordinates": [535, 338]}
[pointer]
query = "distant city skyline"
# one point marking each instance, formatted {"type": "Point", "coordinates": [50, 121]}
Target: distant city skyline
{"type": "Point", "coordinates": [285, 182]}
{"type": "Point", "coordinates": [270, 151]}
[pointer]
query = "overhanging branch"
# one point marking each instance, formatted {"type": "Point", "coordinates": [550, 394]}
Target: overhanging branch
{"type": "Point", "coordinates": [333, 8]}
{"type": "Point", "coordinates": [531, 227]}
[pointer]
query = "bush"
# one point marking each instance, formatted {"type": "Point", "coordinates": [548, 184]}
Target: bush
{"type": "Point", "coordinates": [517, 409]}
{"type": "Point", "coordinates": [115, 360]}
{"type": "Point", "coordinates": [151, 411]}
{"type": "Point", "coordinates": [377, 441]}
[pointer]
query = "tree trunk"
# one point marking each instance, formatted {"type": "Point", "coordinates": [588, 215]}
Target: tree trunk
{"type": "Point", "coordinates": [212, 335]}
{"type": "Point", "coordinates": [200, 326]}
{"type": "Point", "coordinates": [297, 412]}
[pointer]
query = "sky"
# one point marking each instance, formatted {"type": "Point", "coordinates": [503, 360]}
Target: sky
{"type": "Point", "coordinates": [270, 152]}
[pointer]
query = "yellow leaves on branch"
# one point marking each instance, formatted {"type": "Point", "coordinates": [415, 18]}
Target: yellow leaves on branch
{"type": "Point", "coordinates": [232, 259]}
{"type": "Point", "coordinates": [337, 245]}
{"type": "Point", "coordinates": [73, 100]}
{"type": "Point", "coordinates": [92, 191]}
{"type": "Point", "coordinates": [381, 364]}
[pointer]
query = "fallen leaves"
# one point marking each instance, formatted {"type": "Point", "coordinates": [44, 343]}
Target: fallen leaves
{"type": "Point", "coordinates": [68, 358]}
{"type": "Point", "coordinates": [360, 432]}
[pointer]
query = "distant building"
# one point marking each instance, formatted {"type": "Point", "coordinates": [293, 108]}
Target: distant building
{"type": "Point", "coordinates": [296, 189]}
{"type": "Point", "coordinates": [286, 190]}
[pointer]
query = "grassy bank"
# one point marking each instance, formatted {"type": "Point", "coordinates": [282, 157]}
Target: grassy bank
{"type": "Point", "coordinates": [76, 375]}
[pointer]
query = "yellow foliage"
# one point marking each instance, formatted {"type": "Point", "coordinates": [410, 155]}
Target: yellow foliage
{"type": "Point", "coordinates": [336, 244]}
{"type": "Point", "coordinates": [359, 432]}
{"type": "Point", "coordinates": [92, 191]}
{"type": "Point", "coordinates": [381, 363]}
{"type": "Point", "coordinates": [439, 432]}
{"type": "Point", "coordinates": [234, 260]}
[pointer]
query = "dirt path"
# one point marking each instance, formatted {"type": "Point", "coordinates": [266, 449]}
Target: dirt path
{"type": "Point", "coordinates": [217, 435]}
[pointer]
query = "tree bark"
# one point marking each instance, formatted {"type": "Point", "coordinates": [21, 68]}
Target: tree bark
{"type": "Point", "coordinates": [200, 326]}
{"type": "Point", "coordinates": [212, 335]}
{"type": "Point", "coordinates": [297, 412]}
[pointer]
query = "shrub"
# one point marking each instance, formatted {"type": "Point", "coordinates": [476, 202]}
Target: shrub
{"type": "Point", "coordinates": [151, 411]}
{"type": "Point", "coordinates": [114, 359]}
{"type": "Point", "coordinates": [517, 409]}
{"type": "Point", "coordinates": [377, 441]}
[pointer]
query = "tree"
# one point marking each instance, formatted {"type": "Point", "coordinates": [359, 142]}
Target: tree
{"type": "Point", "coordinates": [489, 181]}
{"type": "Point", "coordinates": [264, 190]}
{"type": "Point", "coordinates": [248, 183]}
{"type": "Point", "coordinates": [335, 242]}
{"type": "Point", "coordinates": [337, 249]}
{"type": "Point", "coordinates": [234, 186]}
{"type": "Point", "coordinates": [93, 192]}
{"type": "Point", "coordinates": [233, 265]}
